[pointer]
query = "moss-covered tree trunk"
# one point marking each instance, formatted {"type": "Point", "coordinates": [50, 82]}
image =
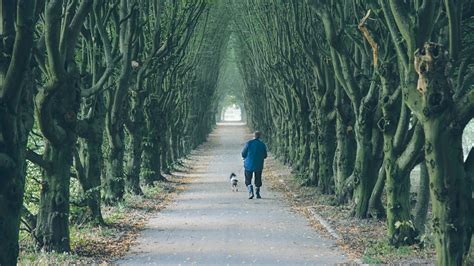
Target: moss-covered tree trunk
{"type": "Point", "coordinates": [133, 163]}
{"type": "Point", "coordinates": [57, 119]}
{"type": "Point", "coordinates": [326, 138]}
{"type": "Point", "coordinates": [175, 140]}
{"type": "Point", "coordinates": [367, 163]}
{"type": "Point", "coordinates": [52, 229]}
{"type": "Point", "coordinates": [16, 28]}
{"type": "Point", "coordinates": [401, 229]}
{"type": "Point", "coordinates": [14, 131]}
{"type": "Point", "coordinates": [90, 158]}
{"type": "Point", "coordinates": [326, 148]}
{"type": "Point", "coordinates": [114, 180]}
{"type": "Point", "coordinates": [376, 208]}
{"type": "Point", "coordinates": [363, 174]}
{"type": "Point", "coordinates": [135, 126]}
{"type": "Point", "coordinates": [169, 157]}
{"type": "Point", "coordinates": [313, 164]}
{"type": "Point", "coordinates": [442, 116]}
{"type": "Point", "coordinates": [400, 156]}
{"type": "Point", "coordinates": [304, 129]}
{"type": "Point", "coordinates": [449, 192]}
{"type": "Point", "coordinates": [363, 97]}
{"type": "Point", "coordinates": [443, 121]}
{"type": "Point", "coordinates": [420, 212]}
{"type": "Point", "coordinates": [114, 185]}
{"type": "Point", "coordinates": [165, 167]}
{"type": "Point", "coordinates": [151, 166]}
{"type": "Point", "coordinates": [345, 144]}
{"type": "Point", "coordinates": [57, 108]}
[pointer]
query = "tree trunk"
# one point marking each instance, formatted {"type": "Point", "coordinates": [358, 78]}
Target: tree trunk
{"type": "Point", "coordinates": [133, 164]}
{"type": "Point", "coordinates": [91, 158]}
{"type": "Point", "coordinates": [449, 193]}
{"type": "Point", "coordinates": [151, 166]}
{"type": "Point", "coordinates": [314, 162]}
{"type": "Point", "coordinates": [165, 167]}
{"type": "Point", "coordinates": [52, 230]}
{"type": "Point", "coordinates": [14, 131]}
{"type": "Point", "coordinates": [114, 178]}
{"type": "Point", "coordinates": [57, 106]}
{"type": "Point", "coordinates": [443, 155]}
{"type": "Point", "coordinates": [175, 139]}
{"type": "Point", "coordinates": [134, 127]}
{"type": "Point", "coordinates": [12, 181]}
{"type": "Point", "coordinates": [401, 229]}
{"type": "Point", "coordinates": [344, 154]}
{"type": "Point", "coordinates": [169, 158]}
{"type": "Point", "coordinates": [114, 182]}
{"type": "Point", "coordinates": [17, 22]}
{"type": "Point", "coordinates": [364, 107]}
{"type": "Point", "coordinates": [376, 209]}
{"type": "Point", "coordinates": [422, 200]}
{"type": "Point", "coordinates": [326, 149]}
{"type": "Point", "coordinates": [305, 147]}
{"type": "Point", "coordinates": [363, 174]}
{"type": "Point", "coordinates": [298, 160]}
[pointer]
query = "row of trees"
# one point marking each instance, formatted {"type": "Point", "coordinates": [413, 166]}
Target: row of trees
{"type": "Point", "coordinates": [353, 93]}
{"type": "Point", "coordinates": [368, 90]}
{"type": "Point", "coordinates": [111, 91]}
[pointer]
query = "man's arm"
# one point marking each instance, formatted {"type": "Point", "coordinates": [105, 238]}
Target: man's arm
{"type": "Point", "coordinates": [245, 150]}
{"type": "Point", "coordinates": [265, 151]}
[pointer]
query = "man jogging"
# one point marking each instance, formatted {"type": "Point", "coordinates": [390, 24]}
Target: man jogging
{"type": "Point", "coordinates": [254, 153]}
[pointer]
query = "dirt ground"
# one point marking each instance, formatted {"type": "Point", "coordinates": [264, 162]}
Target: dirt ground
{"type": "Point", "coordinates": [210, 224]}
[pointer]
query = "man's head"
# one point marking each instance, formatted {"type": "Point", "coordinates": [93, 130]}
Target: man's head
{"type": "Point", "coordinates": [257, 134]}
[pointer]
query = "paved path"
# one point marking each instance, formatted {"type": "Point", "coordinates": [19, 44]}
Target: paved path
{"type": "Point", "coordinates": [210, 224]}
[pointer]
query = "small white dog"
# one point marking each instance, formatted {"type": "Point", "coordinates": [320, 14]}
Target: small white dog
{"type": "Point", "coordinates": [233, 182]}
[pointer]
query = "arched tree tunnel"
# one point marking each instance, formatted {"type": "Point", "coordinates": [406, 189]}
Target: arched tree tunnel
{"type": "Point", "coordinates": [230, 85]}
{"type": "Point", "coordinates": [99, 99]}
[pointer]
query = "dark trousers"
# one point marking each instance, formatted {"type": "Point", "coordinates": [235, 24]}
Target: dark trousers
{"type": "Point", "coordinates": [258, 178]}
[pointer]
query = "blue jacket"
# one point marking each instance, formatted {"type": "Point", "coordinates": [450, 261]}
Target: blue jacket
{"type": "Point", "coordinates": [254, 153]}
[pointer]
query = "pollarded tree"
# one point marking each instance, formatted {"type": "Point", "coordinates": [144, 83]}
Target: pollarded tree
{"type": "Point", "coordinates": [402, 144]}
{"type": "Point", "coordinates": [308, 33]}
{"type": "Point", "coordinates": [442, 109]}
{"type": "Point", "coordinates": [150, 48]}
{"type": "Point", "coordinates": [363, 93]}
{"type": "Point", "coordinates": [97, 66]}
{"type": "Point", "coordinates": [57, 108]}
{"type": "Point", "coordinates": [126, 27]}
{"type": "Point", "coordinates": [174, 35]}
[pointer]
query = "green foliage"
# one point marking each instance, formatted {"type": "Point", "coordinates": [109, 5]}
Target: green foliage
{"type": "Point", "coordinates": [32, 187]}
{"type": "Point", "coordinates": [48, 258]}
{"type": "Point", "coordinates": [379, 252]}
